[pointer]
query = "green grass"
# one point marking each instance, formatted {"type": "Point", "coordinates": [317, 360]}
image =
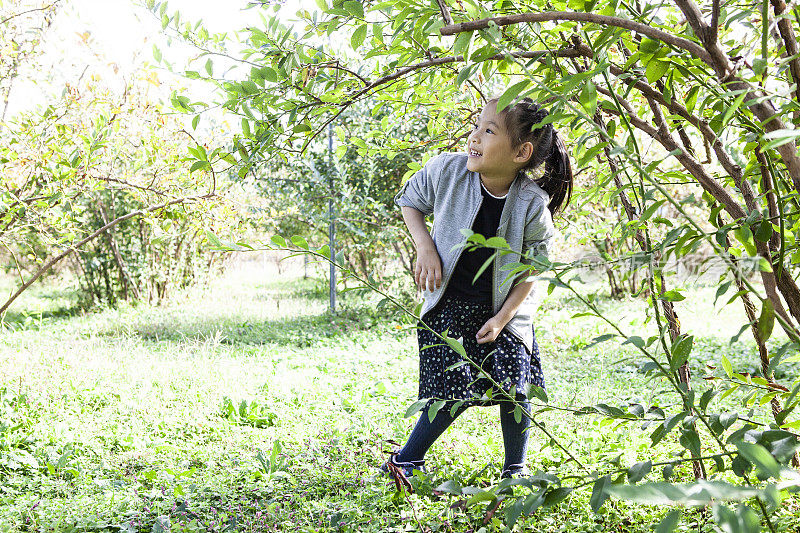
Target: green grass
{"type": "Point", "coordinates": [121, 418]}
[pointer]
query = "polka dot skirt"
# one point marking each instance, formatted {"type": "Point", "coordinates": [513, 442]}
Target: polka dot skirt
{"type": "Point", "coordinates": [446, 375]}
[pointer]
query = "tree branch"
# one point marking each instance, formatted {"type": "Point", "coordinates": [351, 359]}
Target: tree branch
{"type": "Point", "coordinates": [538, 54]}
{"type": "Point", "coordinates": [763, 110]}
{"type": "Point", "coordinates": [605, 20]}
{"type": "Point", "coordinates": [789, 42]}
{"type": "Point", "coordinates": [445, 12]}
{"type": "Point", "coordinates": [15, 15]}
{"type": "Point", "coordinates": [712, 31]}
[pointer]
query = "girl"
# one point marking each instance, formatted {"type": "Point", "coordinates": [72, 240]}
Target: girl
{"type": "Point", "coordinates": [488, 190]}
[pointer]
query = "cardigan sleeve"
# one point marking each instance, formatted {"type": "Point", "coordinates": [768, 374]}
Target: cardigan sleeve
{"type": "Point", "coordinates": [419, 191]}
{"type": "Point", "coordinates": [539, 233]}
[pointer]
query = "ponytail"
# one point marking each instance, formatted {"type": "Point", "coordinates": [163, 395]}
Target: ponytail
{"type": "Point", "coordinates": [557, 178]}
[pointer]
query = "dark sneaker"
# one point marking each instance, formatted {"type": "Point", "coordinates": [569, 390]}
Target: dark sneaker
{"type": "Point", "coordinates": [515, 471]}
{"type": "Point", "coordinates": [407, 467]}
{"type": "Point", "coordinates": [400, 471]}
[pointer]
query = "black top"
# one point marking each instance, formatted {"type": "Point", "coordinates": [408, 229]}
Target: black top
{"type": "Point", "coordinates": [486, 222]}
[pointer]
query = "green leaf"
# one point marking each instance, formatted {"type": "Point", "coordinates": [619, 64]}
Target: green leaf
{"type": "Point", "coordinates": [691, 441]}
{"type": "Point", "coordinates": [635, 340]}
{"type": "Point", "coordinates": [213, 240]}
{"type": "Point", "coordinates": [599, 494]}
{"type": "Point", "coordinates": [198, 165]}
{"type": "Point", "coordinates": [599, 339]}
{"type": "Point", "coordinates": [745, 520]}
{"type": "Point", "coordinates": [680, 351]}
{"type": "Point", "coordinates": [534, 391]}
{"type": "Point", "coordinates": [280, 241]}
{"type": "Point", "coordinates": [451, 487]}
{"type": "Point", "coordinates": [195, 121]}
{"type": "Point", "coordinates": [760, 457]}
{"type": "Point", "coordinates": [415, 407]}
{"type": "Point", "coordinates": [726, 365]}
{"type": "Point", "coordinates": [669, 522]}
{"type": "Point", "coordinates": [764, 231]}
{"type": "Point", "coordinates": [691, 98]}
{"type": "Point", "coordinates": [766, 321]}
{"type": "Point", "coordinates": [511, 93]}
{"type": "Point", "coordinates": [355, 8]}
{"type": "Point", "coordinates": [588, 97]}
{"type": "Point", "coordinates": [779, 137]}
{"type": "Point", "coordinates": [722, 290]}
{"type": "Point", "coordinates": [357, 39]}
{"type": "Point", "coordinates": [555, 496]}
{"type": "Point", "coordinates": [456, 346]}
{"type": "Point", "coordinates": [481, 496]}
{"type": "Point", "coordinates": [698, 493]}
{"type": "Point", "coordinates": [733, 108]}
{"type": "Point", "coordinates": [637, 472]}
{"type": "Point", "coordinates": [299, 241]}
{"type": "Point", "coordinates": [433, 410]}
{"type": "Point", "coordinates": [483, 267]}
{"type": "Point", "coordinates": [649, 46]}
{"type": "Point", "coordinates": [464, 74]}
{"type": "Point", "coordinates": [269, 74]}
{"type": "Point", "coordinates": [655, 69]}
{"type": "Point", "coordinates": [672, 296]}
{"type": "Point", "coordinates": [745, 236]}
{"type": "Point", "coordinates": [461, 44]}
{"type": "Point", "coordinates": [513, 513]}
{"type": "Point", "coordinates": [650, 210]}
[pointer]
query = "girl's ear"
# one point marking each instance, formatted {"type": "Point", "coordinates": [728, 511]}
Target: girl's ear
{"type": "Point", "coordinates": [524, 153]}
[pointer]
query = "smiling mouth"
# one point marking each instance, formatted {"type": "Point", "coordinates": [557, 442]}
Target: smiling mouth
{"type": "Point", "coordinates": [475, 153]}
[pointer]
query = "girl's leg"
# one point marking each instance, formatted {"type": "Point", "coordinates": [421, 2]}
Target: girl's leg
{"type": "Point", "coordinates": [515, 434]}
{"type": "Point", "coordinates": [426, 432]}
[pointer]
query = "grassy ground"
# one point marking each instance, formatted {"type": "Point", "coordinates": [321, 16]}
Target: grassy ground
{"type": "Point", "coordinates": [133, 419]}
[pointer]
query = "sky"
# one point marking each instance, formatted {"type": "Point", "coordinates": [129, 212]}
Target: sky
{"type": "Point", "coordinates": [121, 33]}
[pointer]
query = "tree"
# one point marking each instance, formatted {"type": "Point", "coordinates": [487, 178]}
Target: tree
{"type": "Point", "coordinates": [649, 95]}
{"type": "Point", "coordinates": [100, 177]}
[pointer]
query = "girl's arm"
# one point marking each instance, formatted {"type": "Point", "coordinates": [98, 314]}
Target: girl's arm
{"type": "Point", "coordinates": [492, 328]}
{"type": "Point", "coordinates": [515, 297]}
{"type": "Point", "coordinates": [428, 270]}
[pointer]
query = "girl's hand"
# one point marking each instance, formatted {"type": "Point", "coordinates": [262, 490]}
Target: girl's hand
{"type": "Point", "coordinates": [428, 270]}
{"type": "Point", "coordinates": [491, 330]}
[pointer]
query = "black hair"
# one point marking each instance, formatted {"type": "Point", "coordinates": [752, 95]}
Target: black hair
{"type": "Point", "coordinates": [523, 124]}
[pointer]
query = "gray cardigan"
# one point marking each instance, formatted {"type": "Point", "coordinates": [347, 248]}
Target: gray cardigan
{"type": "Point", "coordinates": [445, 188]}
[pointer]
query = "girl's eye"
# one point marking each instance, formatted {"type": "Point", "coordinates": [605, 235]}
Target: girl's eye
{"type": "Point", "coordinates": [489, 130]}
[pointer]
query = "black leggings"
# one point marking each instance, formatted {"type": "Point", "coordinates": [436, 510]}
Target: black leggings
{"type": "Point", "coordinates": [425, 433]}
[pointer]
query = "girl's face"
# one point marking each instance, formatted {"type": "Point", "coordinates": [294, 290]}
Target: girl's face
{"type": "Point", "coordinates": [489, 147]}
